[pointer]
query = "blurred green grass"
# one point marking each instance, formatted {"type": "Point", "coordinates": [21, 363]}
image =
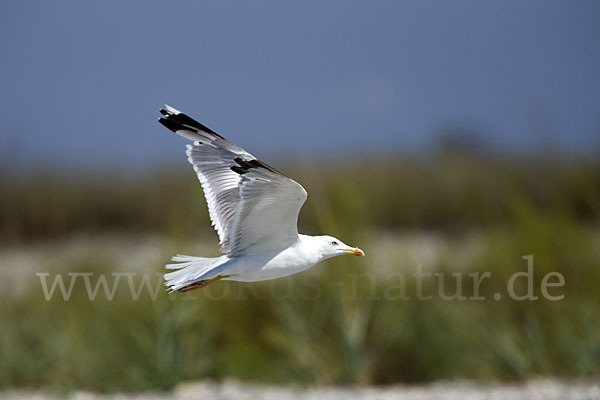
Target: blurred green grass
{"type": "Point", "coordinates": [329, 326]}
{"type": "Point", "coordinates": [446, 193]}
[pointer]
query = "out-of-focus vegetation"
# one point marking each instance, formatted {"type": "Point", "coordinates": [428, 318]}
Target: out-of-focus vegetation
{"type": "Point", "coordinates": [445, 193]}
{"type": "Point", "coordinates": [342, 323]}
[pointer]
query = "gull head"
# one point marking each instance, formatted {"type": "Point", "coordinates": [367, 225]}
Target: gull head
{"type": "Point", "coordinates": [331, 247]}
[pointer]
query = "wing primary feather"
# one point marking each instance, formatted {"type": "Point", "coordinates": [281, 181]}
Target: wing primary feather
{"type": "Point", "coordinates": [246, 165]}
{"type": "Point", "coordinates": [239, 170]}
{"type": "Point", "coordinates": [244, 195]}
{"type": "Point", "coordinates": [171, 125]}
{"type": "Point", "coordinates": [180, 121]}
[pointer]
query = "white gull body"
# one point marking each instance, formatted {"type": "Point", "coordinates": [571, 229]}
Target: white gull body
{"type": "Point", "coordinates": [254, 209]}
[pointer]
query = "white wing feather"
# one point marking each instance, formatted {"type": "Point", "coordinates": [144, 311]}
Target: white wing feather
{"type": "Point", "coordinates": [220, 184]}
{"type": "Point", "coordinates": [253, 207]}
{"type": "Point", "coordinates": [267, 214]}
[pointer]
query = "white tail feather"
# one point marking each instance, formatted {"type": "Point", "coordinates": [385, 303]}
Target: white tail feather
{"type": "Point", "coordinates": [192, 269]}
{"type": "Point", "coordinates": [183, 260]}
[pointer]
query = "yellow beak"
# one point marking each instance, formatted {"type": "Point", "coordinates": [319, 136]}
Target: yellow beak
{"type": "Point", "coordinates": [355, 250]}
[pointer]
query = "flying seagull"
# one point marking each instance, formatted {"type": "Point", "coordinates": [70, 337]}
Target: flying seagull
{"type": "Point", "coordinates": [254, 209]}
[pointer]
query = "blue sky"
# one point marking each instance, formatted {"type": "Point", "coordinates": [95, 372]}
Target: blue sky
{"type": "Point", "coordinates": [82, 81]}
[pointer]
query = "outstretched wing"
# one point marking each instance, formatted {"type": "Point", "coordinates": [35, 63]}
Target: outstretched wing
{"type": "Point", "coordinates": [253, 207]}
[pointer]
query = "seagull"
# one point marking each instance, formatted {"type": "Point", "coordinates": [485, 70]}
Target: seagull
{"type": "Point", "coordinates": [254, 209]}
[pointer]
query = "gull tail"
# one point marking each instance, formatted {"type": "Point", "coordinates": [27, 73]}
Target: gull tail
{"type": "Point", "coordinates": [193, 272]}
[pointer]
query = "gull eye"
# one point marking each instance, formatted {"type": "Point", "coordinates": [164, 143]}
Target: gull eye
{"type": "Point", "coordinates": [334, 243]}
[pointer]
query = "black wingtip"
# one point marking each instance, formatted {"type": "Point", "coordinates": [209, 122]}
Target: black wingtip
{"type": "Point", "coordinates": [178, 122]}
{"type": "Point", "coordinates": [171, 125]}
